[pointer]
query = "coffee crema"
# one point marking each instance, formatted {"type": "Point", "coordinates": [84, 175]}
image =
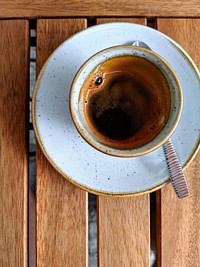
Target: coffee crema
{"type": "Point", "coordinates": [127, 101]}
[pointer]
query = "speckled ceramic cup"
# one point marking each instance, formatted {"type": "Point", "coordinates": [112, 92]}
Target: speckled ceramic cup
{"type": "Point", "coordinates": [147, 99]}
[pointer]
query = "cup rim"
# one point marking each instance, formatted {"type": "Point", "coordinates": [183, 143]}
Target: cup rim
{"type": "Point", "coordinates": [128, 152]}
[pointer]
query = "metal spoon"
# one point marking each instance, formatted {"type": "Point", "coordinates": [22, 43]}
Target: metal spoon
{"type": "Point", "coordinates": [176, 173]}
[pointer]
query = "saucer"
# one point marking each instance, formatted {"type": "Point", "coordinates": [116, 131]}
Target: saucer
{"type": "Point", "coordinates": [67, 151]}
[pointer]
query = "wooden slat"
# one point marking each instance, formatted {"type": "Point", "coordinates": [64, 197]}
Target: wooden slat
{"type": "Point", "coordinates": [123, 223]}
{"type": "Point", "coordinates": [61, 207]}
{"type": "Point", "coordinates": [14, 51]}
{"type": "Point", "coordinates": [131, 20]}
{"type": "Point", "coordinates": [123, 231]}
{"type": "Point", "coordinates": [63, 8]}
{"type": "Point", "coordinates": [180, 228]}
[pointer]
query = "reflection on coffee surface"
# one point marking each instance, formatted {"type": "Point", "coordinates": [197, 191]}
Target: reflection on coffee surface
{"type": "Point", "coordinates": [126, 101]}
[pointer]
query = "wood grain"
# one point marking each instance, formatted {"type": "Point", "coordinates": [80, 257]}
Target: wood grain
{"type": "Point", "coordinates": [61, 207]}
{"type": "Point", "coordinates": [180, 219]}
{"type": "Point", "coordinates": [63, 8]}
{"type": "Point", "coordinates": [123, 223]}
{"type": "Point", "coordinates": [14, 51]}
{"type": "Point", "coordinates": [131, 20]}
{"type": "Point", "coordinates": [123, 231]}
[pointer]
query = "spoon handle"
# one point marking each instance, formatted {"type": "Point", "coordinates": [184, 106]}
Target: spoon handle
{"type": "Point", "coordinates": [176, 173]}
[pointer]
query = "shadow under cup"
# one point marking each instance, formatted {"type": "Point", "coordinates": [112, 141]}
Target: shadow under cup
{"type": "Point", "coordinates": [126, 101]}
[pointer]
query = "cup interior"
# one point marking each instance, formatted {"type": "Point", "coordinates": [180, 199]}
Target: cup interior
{"type": "Point", "coordinates": [76, 100]}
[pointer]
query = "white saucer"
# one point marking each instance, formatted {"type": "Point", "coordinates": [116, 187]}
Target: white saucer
{"type": "Point", "coordinates": [66, 150]}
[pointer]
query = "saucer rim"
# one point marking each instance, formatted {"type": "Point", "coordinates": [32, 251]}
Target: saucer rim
{"type": "Point", "coordinates": [40, 142]}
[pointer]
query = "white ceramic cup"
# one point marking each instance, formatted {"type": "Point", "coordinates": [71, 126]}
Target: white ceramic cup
{"type": "Point", "coordinates": [76, 100]}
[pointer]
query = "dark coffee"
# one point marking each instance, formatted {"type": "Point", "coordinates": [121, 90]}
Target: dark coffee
{"type": "Point", "coordinates": [126, 102]}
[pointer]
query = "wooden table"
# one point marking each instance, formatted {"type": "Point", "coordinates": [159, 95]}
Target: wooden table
{"type": "Point", "coordinates": [126, 226]}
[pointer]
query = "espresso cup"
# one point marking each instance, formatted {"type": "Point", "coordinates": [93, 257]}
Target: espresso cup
{"type": "Point", "coordinates": [126, 101]}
